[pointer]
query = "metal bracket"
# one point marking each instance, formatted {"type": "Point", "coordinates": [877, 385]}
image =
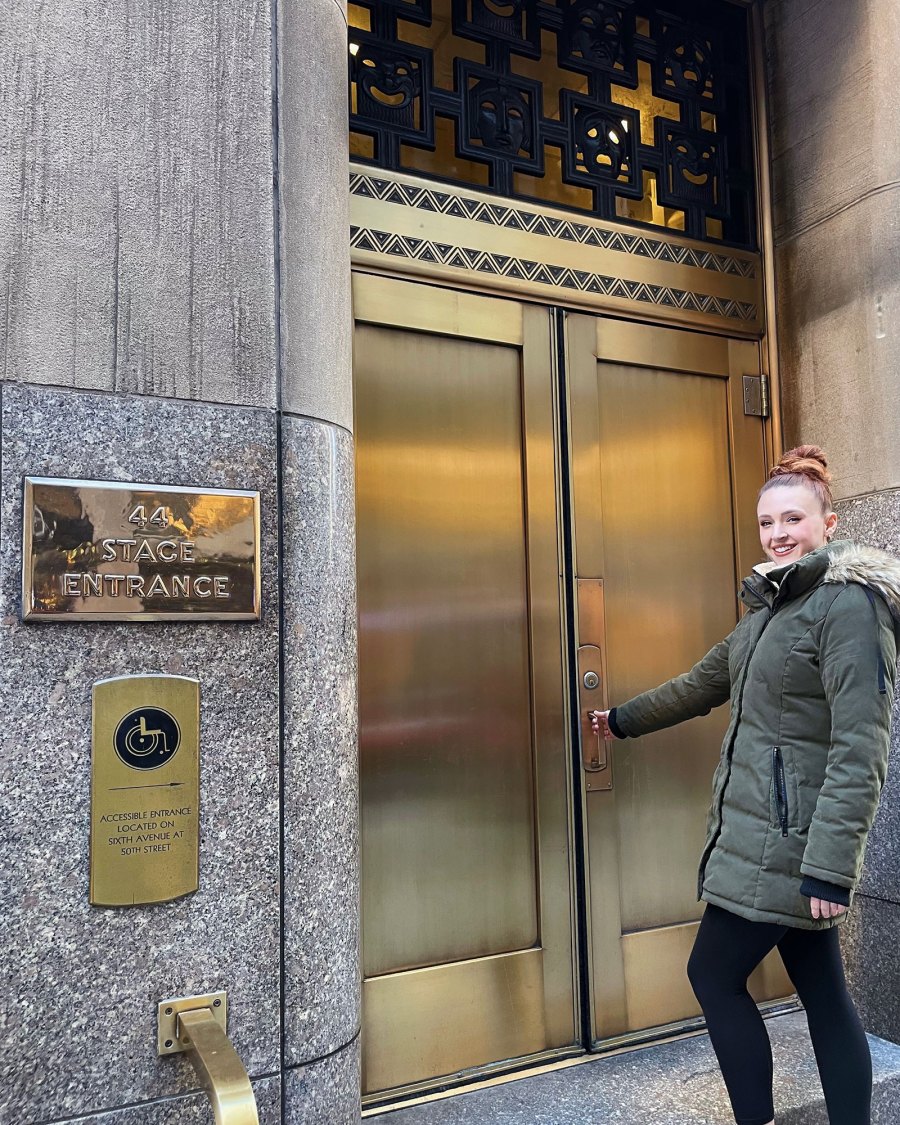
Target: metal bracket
{"type": "Point", "coordinates": [756, 395]}
{"type": "Point", "coordinates": [168, 1039]}
{"type": "Point", "coordinates": [196, 1025]}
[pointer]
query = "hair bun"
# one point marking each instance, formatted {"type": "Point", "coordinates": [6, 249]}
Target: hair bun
{"type": "Point", "coordinates": [806, 460]}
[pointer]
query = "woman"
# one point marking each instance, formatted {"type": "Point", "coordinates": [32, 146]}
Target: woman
{"type": "Point", "coordinates": [809, 671]}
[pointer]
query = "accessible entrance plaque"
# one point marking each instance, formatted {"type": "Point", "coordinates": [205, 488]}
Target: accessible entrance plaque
{"type": "Point", "coordinates": [106, 551]}
{"type": "Point", "coordinates": [145, 789]}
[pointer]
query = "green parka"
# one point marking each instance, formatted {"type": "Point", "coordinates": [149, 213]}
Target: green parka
{"type": "Point", "coordinates": [809, 671]}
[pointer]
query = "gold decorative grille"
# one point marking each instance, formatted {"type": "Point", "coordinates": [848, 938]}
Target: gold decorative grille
{"type": "Point", "coordinates": [623, 110]}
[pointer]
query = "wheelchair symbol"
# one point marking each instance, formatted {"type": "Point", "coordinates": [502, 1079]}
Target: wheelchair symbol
{"type": "Point", "coordinates": [147, 738]}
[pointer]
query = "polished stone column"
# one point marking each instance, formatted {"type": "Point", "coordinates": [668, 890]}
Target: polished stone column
{"type": "Point", "coordinates": [174, 313]}
{"type": "Point", "coordinates": [321, 839]}
{"type": "Point", "coordinates": [836, 176]}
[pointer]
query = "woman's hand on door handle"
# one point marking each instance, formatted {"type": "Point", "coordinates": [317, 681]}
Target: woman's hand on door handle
{"type": "Point", "coordinates": [600, 724]}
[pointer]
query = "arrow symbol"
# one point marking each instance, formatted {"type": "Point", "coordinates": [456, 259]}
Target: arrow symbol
{"type": "Point", "coordinates": [158, 785]}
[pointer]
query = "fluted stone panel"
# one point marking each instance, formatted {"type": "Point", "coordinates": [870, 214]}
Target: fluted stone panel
{"type": "Point", "coordinates": [837, 231]}
{"type": "Point", "coordinates": [314, 211]}
{"type": "Point", "coordinates": [831, 67]}
{"type": "Point", "coordinates": [321, 838]}
{"type": "Point", "coordinates": [194, 1109]}
{"type": "Point", "coordinates": [136, 235]}
{"type": "Point", "coordinates": [839, 337]}
{"type": "Point", "coordinates": [80, 983]}
{"type": "Point", "coordinates": [324, 1091]}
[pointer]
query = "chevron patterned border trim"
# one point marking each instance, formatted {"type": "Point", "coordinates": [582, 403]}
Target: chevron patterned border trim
{"type": "Point", "coordinates": [458, 205]}
{"type": "Point", "coordinates": [502, 265]}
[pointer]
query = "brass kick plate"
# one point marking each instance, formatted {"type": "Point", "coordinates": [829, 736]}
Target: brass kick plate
{"type": "Point", "coordinates": [168, 1041]}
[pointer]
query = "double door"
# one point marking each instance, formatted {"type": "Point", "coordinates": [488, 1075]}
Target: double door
{"type": "Point", "coordinates": [553, 513]}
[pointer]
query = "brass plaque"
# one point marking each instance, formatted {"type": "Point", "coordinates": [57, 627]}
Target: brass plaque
{"type": "Point", "coordinates": [105, 551]}
{"type": "Point", "coordinates": [145, 789]}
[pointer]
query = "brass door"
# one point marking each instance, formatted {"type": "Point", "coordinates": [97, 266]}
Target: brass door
{"type": "Point", "coordinates": [465, 768]}
{"type": "Point", "coordinates": [665, 467]}
{"type": "Point", "coordinates": [466, 761]}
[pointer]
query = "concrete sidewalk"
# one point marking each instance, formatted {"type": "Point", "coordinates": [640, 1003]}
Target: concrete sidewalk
{"type": "Point", "coordinates": [676, 1083]}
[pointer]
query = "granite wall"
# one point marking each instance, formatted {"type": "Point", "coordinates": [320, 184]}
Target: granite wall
{"type": "Point", "coordinates": [870, 945]}
{"type": "Point", "coordinates": [176, 310]}
{"type": "Point", "coordinates": [836, 185]}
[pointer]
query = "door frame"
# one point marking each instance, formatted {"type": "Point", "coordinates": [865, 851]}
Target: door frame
{"type": "Point", "coordinates": [406, 227]}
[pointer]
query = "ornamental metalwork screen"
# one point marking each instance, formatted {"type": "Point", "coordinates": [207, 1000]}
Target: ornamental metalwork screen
{"type": "Point", "coordinates": [624, 110]}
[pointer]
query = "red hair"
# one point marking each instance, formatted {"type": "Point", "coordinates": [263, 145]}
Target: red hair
{"type": "Point", "coordinates": [806, 465]}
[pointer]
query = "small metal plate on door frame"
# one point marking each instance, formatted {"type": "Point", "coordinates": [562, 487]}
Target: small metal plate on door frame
{"type": "Point", "coordinates": [167, 1012]}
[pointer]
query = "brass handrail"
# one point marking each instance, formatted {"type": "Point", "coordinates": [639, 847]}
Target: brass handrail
{"type": "Point", "coordinates": [219, 1067]}
{"type": "Point", "coordinates": [197, 1026]}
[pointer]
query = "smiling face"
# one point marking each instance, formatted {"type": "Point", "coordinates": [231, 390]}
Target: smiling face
{"type": "Point", "coordinates": [792, 523]}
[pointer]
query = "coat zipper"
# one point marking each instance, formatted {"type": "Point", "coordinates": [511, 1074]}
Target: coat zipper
{"type": "Point", "coordinates": [781, 798]}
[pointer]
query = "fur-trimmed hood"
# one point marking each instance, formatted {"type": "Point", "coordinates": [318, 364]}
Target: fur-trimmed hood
{"type": "Point", "coordinates": [841, 562]}
{"type": "Point", "coordinates": [853, 562]}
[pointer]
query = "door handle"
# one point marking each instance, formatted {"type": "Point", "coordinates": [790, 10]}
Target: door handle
{"type": "Point", "coordinates": [594, 748]}
{"type": "Point", "coordinates": [596, 760]}
{"type": "Point", "coordinates": [196, 1026]}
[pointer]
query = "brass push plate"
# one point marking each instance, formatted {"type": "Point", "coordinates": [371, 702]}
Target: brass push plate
{"type": "Point", "coordinates": [105, 551]}
{"type": "Point", "coordinates": [145, 790]}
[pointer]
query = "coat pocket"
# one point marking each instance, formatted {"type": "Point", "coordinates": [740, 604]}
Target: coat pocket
{"type": "Point", "coordinates": [779, 787]}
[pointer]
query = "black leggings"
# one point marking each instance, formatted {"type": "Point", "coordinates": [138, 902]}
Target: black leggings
{"type": "Point", "coordinates": [727, 950]}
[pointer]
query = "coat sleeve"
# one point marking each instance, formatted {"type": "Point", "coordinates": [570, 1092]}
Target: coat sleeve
{"type": "Point", "coordinates": [694, 693]}
{"type": "Point", "coordinates": [860, 734]}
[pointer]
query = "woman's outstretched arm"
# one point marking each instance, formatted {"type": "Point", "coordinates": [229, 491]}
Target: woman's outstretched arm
{"type": "Point", "coordinates": [706, 685]}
